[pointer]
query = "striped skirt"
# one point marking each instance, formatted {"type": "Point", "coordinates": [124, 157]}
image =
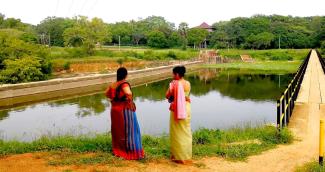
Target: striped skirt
{"type": "Point", "coordinates": [126, 136]}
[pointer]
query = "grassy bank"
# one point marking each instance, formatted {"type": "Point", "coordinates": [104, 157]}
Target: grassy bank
{"type": "Point", "coordinates": [273, 54]}
{"type": "Point", "coordinates": [274, 66]}
{"type": "Point", "coordinates": [233, 144]}
{"type": "Point", "coordinates": [311, 167]}
{"type": "Point", "coordinates": [63, 57]}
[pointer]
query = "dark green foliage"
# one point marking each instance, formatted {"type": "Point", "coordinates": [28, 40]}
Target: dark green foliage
{"type": "Point", "coordinates": [262, 32]}
{"type": "Point", "coordinates": [22, 61]}
{"type": "Point", "coordinates": [196, 36]}
{"type": "Point", "coordinates": [157, 39]}
{"type": "Point", "coordinates": [53, 28]}
{"type": "Point", "coordinates": [66, 66]}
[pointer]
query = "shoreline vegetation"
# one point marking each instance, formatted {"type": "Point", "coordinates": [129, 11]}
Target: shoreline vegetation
{"type": "Point", "coordinates": [310, 166]}
{"type": "Point", "coordinates": [234, 144]}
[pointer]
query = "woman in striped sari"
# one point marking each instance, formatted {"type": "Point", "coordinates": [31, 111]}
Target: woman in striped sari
{"type": "Point", "coordinates": [180, 117]}
{"type": "Point", "coordinates": [126, 136]}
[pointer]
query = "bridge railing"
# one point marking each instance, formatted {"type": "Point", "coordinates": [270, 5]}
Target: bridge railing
{"type": "Point", "coordinates": [286, 102]}
{"type": "Point", "coordinates": [322, 61]}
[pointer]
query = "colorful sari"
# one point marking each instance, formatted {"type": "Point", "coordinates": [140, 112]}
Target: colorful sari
{"type": "Point", "coordinates": [180, 127]}
{"type": "Point", "coordinates": [125, 130]}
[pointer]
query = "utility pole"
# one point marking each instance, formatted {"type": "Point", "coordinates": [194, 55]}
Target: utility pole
{"type": "Point", "coordinates": [119, 43]}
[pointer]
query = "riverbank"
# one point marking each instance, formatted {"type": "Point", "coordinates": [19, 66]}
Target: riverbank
{"type": "Point", "coordinates": [264, 55]}
{"type": "Point", "coordinates": [20, 94]}
{"type": "Point", "coordinates": [266, 66]}
{"type": "Point", "coordinates": [234, 145]}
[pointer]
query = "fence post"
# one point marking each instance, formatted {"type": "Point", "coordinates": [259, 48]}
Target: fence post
{"type": "Point", "coordinates": [321, 141]}
{"type": "Point", "coordinates": [278, 117]}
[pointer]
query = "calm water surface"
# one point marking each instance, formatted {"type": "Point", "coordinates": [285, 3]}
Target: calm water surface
{"type": "Point", "coordinates": [220, 99]}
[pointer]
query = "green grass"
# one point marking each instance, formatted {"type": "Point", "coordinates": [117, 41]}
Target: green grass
{"type": "Point", "coordinates": [62, 57]}
{"type": "Point", "coordinates": [125, 52]}
{"type": "Point", "coordinates": [233, 144]}
{"type": "Point", "coordinates": [311, 167]}
{"type": "Point", "coordinates": [275, 66]}
{"type": "Point", "coordinates": [273, 54]}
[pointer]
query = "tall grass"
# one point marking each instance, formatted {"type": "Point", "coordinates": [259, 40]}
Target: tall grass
{"type": "Point", "coordinates": [273, 54]}
{"type": "Point", "coordinates": [275, 66]}
{"type": "Point", "coordinates": [234, 144]}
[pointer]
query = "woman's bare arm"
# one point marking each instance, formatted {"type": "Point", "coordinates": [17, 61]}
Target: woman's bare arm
{"type": "Point", "coordinates": [127, 91]}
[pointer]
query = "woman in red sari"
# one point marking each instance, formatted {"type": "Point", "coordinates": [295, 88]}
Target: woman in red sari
{"type": "Point", "coordinates": [126, 136]}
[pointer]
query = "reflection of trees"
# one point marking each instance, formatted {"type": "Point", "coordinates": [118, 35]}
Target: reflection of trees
{"type": "Point", "coordinates": [154, 91]}
{"type": "Point", "coordinates": [229, 83]}
{"type": "Point", "coordinates": [4, 114]}
{"type": "Point", "coordinates": [241, 86]}
{"type": "Point", "coordinates": [87, 105]}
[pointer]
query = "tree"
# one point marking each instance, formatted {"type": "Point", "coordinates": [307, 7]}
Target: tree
{"type": "Point", "coordinates": [157, 39]}
{"type": "Point", "coordinates": [21, 61]}
{"type": "Point", "coordinates": [175, 40]}
{"type": "Point", "coordinates": [260, 41]}
{"type": "Point", "coordinates": [122, 30]}
{"type": "Point", "coordinates": [196, 36]}
{"type": "Point", "coordinates": [53, 28]}
{"type": "Point", "coordinates": [219, 39]}
{"type": "Point", "coordinates": [183, 29]}
{"type": "Point", "coordinates": [87, 34]}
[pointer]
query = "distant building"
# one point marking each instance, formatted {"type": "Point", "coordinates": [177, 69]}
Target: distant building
{"type": "Point", "coordinates": [210, 29]}
{"type": "Point", "coordinates": [205, 26]}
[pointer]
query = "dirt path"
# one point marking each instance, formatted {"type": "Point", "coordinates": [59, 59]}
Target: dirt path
{"type": "Point", "coordinates": [304, 124]}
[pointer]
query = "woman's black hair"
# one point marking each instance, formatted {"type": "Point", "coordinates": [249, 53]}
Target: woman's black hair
{"type": "Point", "coordinates": [121, 73]}
{"type": "Point", "coordinates": [180, 70]}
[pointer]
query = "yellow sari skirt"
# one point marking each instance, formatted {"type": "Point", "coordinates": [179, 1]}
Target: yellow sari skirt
{"type": "Point", "coordinates": [181, 136]}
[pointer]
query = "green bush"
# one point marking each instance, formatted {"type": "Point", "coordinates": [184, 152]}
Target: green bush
{"type": "Point", "coordinates": [22, 61]}
{"type": "Point", "coordinates": [157, 39]}
{"type": "Point", "coordinates": [22, 70]}
{"type": "Point", "coordinates": [66, 66]}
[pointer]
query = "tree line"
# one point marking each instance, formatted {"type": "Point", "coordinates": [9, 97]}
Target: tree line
{"type": "Point", "coordinates": [23, 56]}
{"type": "Point", "coordinates": [256, 32]}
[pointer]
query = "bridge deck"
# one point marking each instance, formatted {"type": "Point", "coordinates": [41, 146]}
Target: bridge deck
{"type": "Point", "coordinates": [309, 109]}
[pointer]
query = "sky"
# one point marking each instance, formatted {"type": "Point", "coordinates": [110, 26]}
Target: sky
{"type": "Point", "coordinates": [194, 12]}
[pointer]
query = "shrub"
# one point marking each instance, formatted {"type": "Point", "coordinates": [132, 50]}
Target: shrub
{"type": "Point", "coordinates": [66, 66]}
{"type": "Point", "coordinates": [22, 70]}
{"type": "Point", "coordinates": [157, 39]}
{"type": "Point", "coordinates": [171, 54]}
{"type": "Point", "coordinates": [206, 136]}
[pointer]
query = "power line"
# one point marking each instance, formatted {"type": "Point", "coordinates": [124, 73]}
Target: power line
{"type": "Point", "coordinates": [92, 7]}
{"type": "Point", "coordinates": [83, 6]}
{"type": "Point", "coordinates": [57, 7]}
{"type": "Point", "coordinates": [70, 7]}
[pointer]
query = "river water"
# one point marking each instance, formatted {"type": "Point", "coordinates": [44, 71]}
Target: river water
{"type": "Point", "coordinates": [220, 99]}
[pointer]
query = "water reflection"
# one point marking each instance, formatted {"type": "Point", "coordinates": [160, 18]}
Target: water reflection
{"type": "Point", "coordinates": [87, 105]}
{"type": "Point", "coordinates": [221, 99]}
